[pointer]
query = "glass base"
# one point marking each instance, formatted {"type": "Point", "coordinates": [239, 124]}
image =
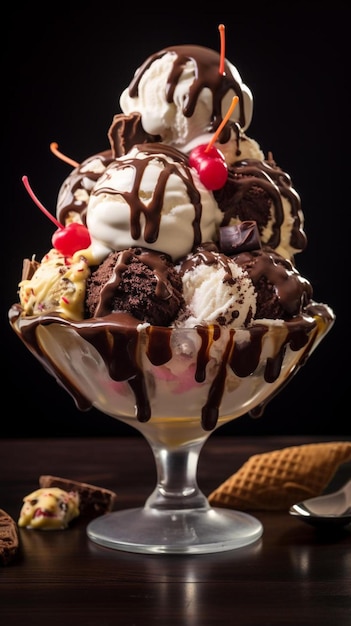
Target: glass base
{"type": "Point", "coordinates": [191, 531]}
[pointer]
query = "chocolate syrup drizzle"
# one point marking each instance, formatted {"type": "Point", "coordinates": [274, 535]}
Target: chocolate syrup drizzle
{"type": "Point", "coordinates": [207, 74]}
{"type": "Point", "coordinates": [116, 338]}
{"type": "Point", "coordinates": [152, 211]}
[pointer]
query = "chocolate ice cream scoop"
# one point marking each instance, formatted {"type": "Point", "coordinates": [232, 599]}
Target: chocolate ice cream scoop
{"type": "Point", "coordinates": [140, 282]}
{"type": "Point", "coordinates": [280, 289]}
{"type": "Point", "coordinates": [260, 191]}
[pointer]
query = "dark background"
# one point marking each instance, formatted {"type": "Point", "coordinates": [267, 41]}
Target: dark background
{"type": "Point", "coordinates": [63, 71]}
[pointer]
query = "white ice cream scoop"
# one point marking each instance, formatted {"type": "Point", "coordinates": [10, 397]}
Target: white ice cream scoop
{"type": "Point", "coordinates": [153, 199]}
{"type": "Point", "coordinates": [182, 97]}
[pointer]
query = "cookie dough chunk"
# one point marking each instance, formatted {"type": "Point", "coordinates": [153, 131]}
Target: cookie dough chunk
{"type": "Point", "coordinates": [50, 508]}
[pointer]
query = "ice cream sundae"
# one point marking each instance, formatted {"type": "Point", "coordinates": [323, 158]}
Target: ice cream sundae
{"type": "Point", "coordinates": [170, 297]}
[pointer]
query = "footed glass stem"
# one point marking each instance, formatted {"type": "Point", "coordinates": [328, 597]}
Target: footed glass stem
{"type": "Point", "coordinates": [177, 517]}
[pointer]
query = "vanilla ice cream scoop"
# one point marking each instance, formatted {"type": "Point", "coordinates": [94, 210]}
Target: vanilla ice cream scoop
{"type": "Point", "coordinates": [150, 198]}
{"type": "Point", "coordinates": [182, 97]}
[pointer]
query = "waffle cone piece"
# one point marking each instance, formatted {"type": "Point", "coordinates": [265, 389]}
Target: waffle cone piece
{"type": "Point", "coordinates": [276, 480]}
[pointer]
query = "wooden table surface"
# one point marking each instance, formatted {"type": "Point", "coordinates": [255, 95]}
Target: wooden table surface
{"type": "Point", "coordinates": [293, 575]}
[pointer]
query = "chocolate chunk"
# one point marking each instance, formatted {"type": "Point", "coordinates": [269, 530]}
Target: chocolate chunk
{"type": "Point", "coordinates": [93, 500]}
{"type": "Point", "coordinates": [28, 269]}
{"type": "Point", "coordinates": [9, 542]}
{"type": "Point", "coordinates": [239, 238]}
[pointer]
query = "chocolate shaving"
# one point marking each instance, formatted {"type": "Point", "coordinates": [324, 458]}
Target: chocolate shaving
{"type": "Point", "coordinates": [126, 131]}
{"type": "Point", "coordinates": [28, 268]}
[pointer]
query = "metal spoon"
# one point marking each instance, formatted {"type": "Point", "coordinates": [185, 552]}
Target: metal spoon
{"type": "Point", "coordinates": [330, 509]}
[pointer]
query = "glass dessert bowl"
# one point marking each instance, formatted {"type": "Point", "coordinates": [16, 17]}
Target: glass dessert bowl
{"type": "Point", "coordinates": [175, 386]}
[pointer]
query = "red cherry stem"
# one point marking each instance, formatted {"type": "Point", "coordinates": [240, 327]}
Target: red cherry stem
{"type": "Point", "coordinates": [39, 204]}
{"type": "Point", "coordinates": [54, 149]}
{"type": "Point", "coordinates": [221, 29]}
{"type": "Point", "coordinates": [223, 123]}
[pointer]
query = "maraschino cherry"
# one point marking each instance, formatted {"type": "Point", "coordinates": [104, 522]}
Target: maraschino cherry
{"type": "Point", "coordinates": [206, 158]}
{"type": "Point", "coordinates": [66, 239]}
{"type": "Point", "coordinates": [209, 161]}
